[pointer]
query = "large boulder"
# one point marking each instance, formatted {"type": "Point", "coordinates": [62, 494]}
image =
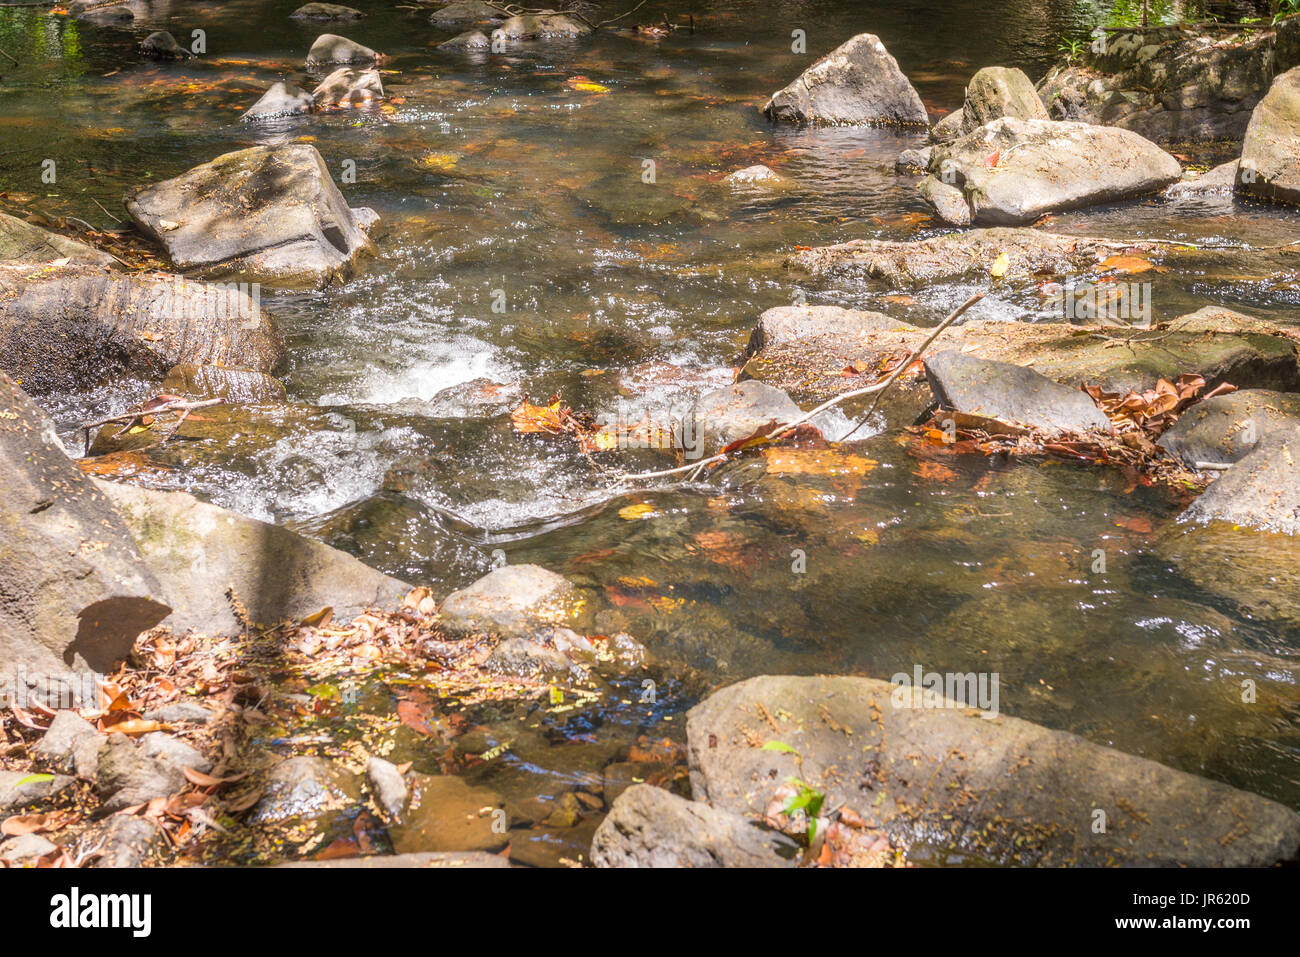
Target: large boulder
{"type": "Point", "coordinates": [998, 91]}
{"type": "Point", "coordinates": [346, 87]}
{"type": "Point", "coordinates": [206, 558]}
{"type": "Point", "coordinates": [22, 242]}
{"type": "Point", "coordinates": [651, 827]}
{"type": "Point", "coordinates": [267, 213]}
{"type": "Point", "coordinates": [466, 11]}
{"type": "Point", "coordinates": [74, 327]}
{"type": "Point", "coordinates": [996, 789]}
{"type": "Point", "coordinates": [515, 601]}
{"type": "Point", "coordinates": [1225, 428]}
{"type": "Point", "coordinates": [857, 83]}
{"type": "Point", "coordinates": [1262, 490]}
{"type": "Point", "coordinates": [1010, 172]}
{"type": "Point", "coordinates": [75, 592]}
{"type": "Point", "coordinates": [1270, 153]}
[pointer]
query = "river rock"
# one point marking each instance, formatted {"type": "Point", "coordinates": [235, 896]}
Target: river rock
{"type": "Point", "coordinates": [726, 415]}
{"type": "Point", "coordinates": [651, 827]}
{"type": "Point", "coordinates": [388, 787]}
{"type": "Point", "coordinates": [76, 589]}
{"type": "Point", "coordinates": [346, 87]}
{"type": "Point", "coordinates": [22, 242]}
{"type": "Point", "coordinates": [1011, 394]}
{"type": "Point", "coordinates": [330, 48]}
{"type": "Point", "coordinates": [446, 814]}
{"type": "Point", "coordinates": [1041, 166]}
{"type": "Point", "coordinates": [466, 11]}
{"type": "Point", "coordinates": [76, 327]}
{"type": "Point", "coordinates": [1270, 153]}
{"type": "Point", "coordinates": [220, 382]}
{"type": "Point", "coordinates": [998, 91]}
{"type": "Point", "coordinates": [858, 83]}
{"type": "Point", "coordinates": [1000, 790]}
{"type": "Point", "coordinates": [58, 747]}
{"type": "Point", "coordinates": [127, 776]}
{"type": "Point", "coordinates": [1219, 181]}
{"type": "Point", "coordinates": [305, 788]}
{"type": "Point", "coordinates": [163, 46]}
{"type": "Point", "coordinates": [181, 712]}
{"type": "Point", "coordinates": [1262, 490]}
{"type": "Point", "coordinates": [539, 26]}
{"type": "Point", "coordinates": [282, 99]}
{"type": "Point", "coordinates": [528, 658]}
{"type": "Point", "coordinates": [469, 40]}
{"type": "Point", "coordinates": [269, 212]}
{"type": "Point", "coordinates": [174, 751]}
{"type": "Point", "coordinates": [325, 11]}
{"type": "Point", "coordinates": [123, 840]}
{"type": "Point", "coordinates": [913, 160]}
{"type": "Point", "coordinates": [25, 847]}
{"type": "Point", "coordinates": [20, 790]}
{"type": "Point", "coordinates": [1225, 428]}
{"type": "Point", "coordinates": [515, 601]}
{"type": "Point", "coordinates": [949, 128]}
{"type": "Point", "coordinates": [98, 11]}
{"type": "Point", "coordinates": [758, 175]}
{"type": "Point", "coordinates": [199, 552]}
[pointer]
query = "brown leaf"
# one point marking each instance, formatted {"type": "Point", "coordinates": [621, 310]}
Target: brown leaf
{"type": "Point", "coordinates": [207, 780]}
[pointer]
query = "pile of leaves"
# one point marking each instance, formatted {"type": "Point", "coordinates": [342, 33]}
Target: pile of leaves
{"type": "Point", "coordinates": [841, 838]}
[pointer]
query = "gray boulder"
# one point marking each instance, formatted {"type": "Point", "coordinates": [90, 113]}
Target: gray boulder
{"type": "Point", "coordinates": [999, 790]}
{"type": "Point", "coordinates": [469, 40]}
{"type": "Point", "coordinates": [22, 242]}
{"type": "Point", "coordinates": [726, 415]}
{"type": "Point", "coordinates": [127, 776]}
{"type": "Point", "coordinates": [1010, 172]}
{"type": "Point", "coordinates": [1261, 491]}
{"type": "Point", "coordinates": [199, 553]}
{"type": "Point", "coordinates": [282, 99]}
{"type": "Point", "coordinates": [539, 26]}
{"type": "Point", "coordinates": [651, 827]}
{"type": "Point", "coordinates": [1011, 394]}
{"type": "Point", "coordinates": [58, 747]}
{"type": "Point", "coordinates": [998, 91]}
{"type": "Point", "coordinates": [1270, 153]}
{"type": "Point", "coordinates": [20, 790]}
{"type": "Point", "coordinates": [163, 46]}
{"type": "Point", "coordinates": [267, 213]}
{"type": "Point", "coordinates": [515, 601]}
{"type": "Point", "coordinates": [330, 48]}
{"type": "Point", "coordinates": [1220, 181]}
{"type": "Point", "coordinates": [77, 592]}
{"type": "Point", "coordinates": [173, 751]}
{"type": "Point", "coordinates": [913, 161]}
{"type": "Point", "coordinates": [77, 327]}
{"type": "Point", "coordinates": [122, 841]}
{"type": "Point", "coordinates": [1224, 429]}
{"type": "Point", "coordinates": [949, 128]}
{"type": "Point", "coordinates": [858, 83]}
{"type": "Point", "coordinates": [25, 847]}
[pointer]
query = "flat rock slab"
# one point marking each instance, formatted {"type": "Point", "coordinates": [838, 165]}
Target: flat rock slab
{"type": "Point", "coordinates": [22, 242]}
{"type": "Point", "coordinates": [651, 827]}
{"type": "Point", "coordinates": [1000, 790]}
{"type": "Point", "coordinates": [1011, 394]}
{"type": "Point", "coordinates": [198, 552]}
{"type": "Point", "coordinates": [1261, 491]}
{"type": "Point", "coordinates": [1225, 428]}
{"type": "Point", "coordinates": [1270, 153]}
{"type": "Point", "coordinates": [857, 83]}
{"type": "Point", "coordinates": [1011, 172]}
{"type": "Point", "coordinates": [515, 601]}
{"type": "Point", "coordinates": [269, 213]}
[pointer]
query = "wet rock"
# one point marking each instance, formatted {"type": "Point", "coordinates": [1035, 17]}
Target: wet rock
{"type": "Point", "coordinates": [22, 242]}
{"type": "Point", "coordinates": [759, 175]}
{"type": "Point", "coordinates": [1037, 788]}
{"type": "Point", "coordinates": [330, 48]}
{"type": "Point", "coordinates": [949, 128]}
{"type": "Point", "coordinates": [127, 776]}
{"type": "Point", "coordinates": [948, 201]}
{"type": "Point", "coordinates": [222, 382]}
{"type": "Point", "coordinates": [539, 26]}
{"type": "Point", "coordinates": [305, 788]}
{"type": "Point", "coordinates": [441, 859]}
{"type": "Point", "coordinates": [526, 658]}
{"type": "Point", "coordinates": [1223, 429]}
{"type": "Point", "coordinates": [1262, 490]}
{"type": "Point", "coordinates": [57, 749]}
{"type": "Point", "coordinates": [650, 827]}
{"type": "Point", "coordinates": [466, 11]}
{"type": "Point", "coordinates": [858, 83]}
{"type": "Point", "coordinates": [998, 91]}
{"type": "Point", "coordinates": [282, 99]}
{"type": "Point", "coordinates": [1011, 394]}
{"type": "Point", "coordinates": [26, 847]}
{"type": "Point", "coordinates": [913, 160]}
{"type": "Point", "coordinates": [469, 40]}
{"type": "Point", "coordinates": [477, 398]}
{"type": "Point", "coordinates": [515, 601]}
{"type": "Point", "coordinates": [388, 787]}
{"type": "Point", "coordinates": [97, 11]}
{"type": "Point", "coordinates": [346, 87]}
{"type": "Point", "coordinates": [174, 752]}
{"type": "Point", "coordinates": [20, 790]}
{"type": "Point", "coordinates": [1219, 181]}
{"type": "Point", "coordinates": [723, 416]}
{"type": "Point", "coordinates": [269, 212]}
{"type": "Point", "coordinates": [446, 814]}
{"type": "Point", "coordinates": [567, 811]}
{"type": "Point", "coordinates": [1045, 167]}
{"type": "Point", "coordinates": [76, 589]}
{"type": "Point", "coordinates": [624, 652]}
{"type": "Point", "coordinates": [182, 712]}
{"type": "Point", "coordinates": [199, 552]}
{"type": "Point", "coordinates": [76, 327]}
{"type": "Point", "coordinates": [325, 11]}
{"type": "Point", "coordinates": [122, 841]}
{"type": "Point", "coordinates": [163, 46]}
{"type": "Point", "coordinates": [1270, 153]}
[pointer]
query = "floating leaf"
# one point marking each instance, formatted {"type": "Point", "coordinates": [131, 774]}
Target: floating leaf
{"type": "Point", "coordinates": [633, 512]}
{"type": "Point", "coordinates": [1000, 266]}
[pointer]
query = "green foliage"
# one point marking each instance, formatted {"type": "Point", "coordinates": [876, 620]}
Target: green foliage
{"type": "Point", "coordinates": [808, 800]}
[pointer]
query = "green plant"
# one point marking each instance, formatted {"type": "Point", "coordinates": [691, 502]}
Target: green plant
{"type": "Point", "coordinates": [807, 800]}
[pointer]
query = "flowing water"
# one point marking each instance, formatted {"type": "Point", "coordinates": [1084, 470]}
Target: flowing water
{"type": "Point", "coordinates": [517, 182]}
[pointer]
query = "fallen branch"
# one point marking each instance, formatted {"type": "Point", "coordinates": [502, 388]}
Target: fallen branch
{"type": "Point", "coordinates": [183, 406]}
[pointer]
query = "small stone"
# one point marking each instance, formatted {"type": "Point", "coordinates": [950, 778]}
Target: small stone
{"type": "Point", "coordinates": [127, 777]}
{"type": "Point", "coordinates": [58, 746]}
{"type": "Point", "coordinates": [388, 787]}
{"type": "Point", "coordinates": [173, 751]}
{"type": "Point", "coordinates": [25, 847]}
{"type": "Point", "coordinates": [182, 712]}
{"type": "Point", "coordinates": [21, 789]}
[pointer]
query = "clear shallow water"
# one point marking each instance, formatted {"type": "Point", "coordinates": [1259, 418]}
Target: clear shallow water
{"type": "Point", "coordinates": [496, 173]}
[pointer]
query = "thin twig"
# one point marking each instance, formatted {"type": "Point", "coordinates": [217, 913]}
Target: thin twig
{"type": "Point", "coordinates": [106, 212]}
{"type": "Point", "coordinates": [183, 406]}
{"type": "Point", "coordinates": [12, 59]}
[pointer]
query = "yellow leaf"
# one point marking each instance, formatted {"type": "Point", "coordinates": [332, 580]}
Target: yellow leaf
{"type": "Point", "coordinates": [1126, 264]}
{"type": "Point", "coordinates": [633, 512]}
{"type": "Point", "coordinates": [1000, 266]}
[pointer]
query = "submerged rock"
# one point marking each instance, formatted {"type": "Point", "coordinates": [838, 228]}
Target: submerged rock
{"type": "Point", "coordinates": [77, 592]}
{"type": "Point", "coordinates": [346, 87]}
{"type": "Point", "coordinates": [998, 91]}
{"type": "Point", "coordinates": [282, 99]}
{"type": "Point", "coordinates": [1262, 490]}
{"type": "Point", "coordinates": [515, 601]}
{"type": "Point", "coordinates": [163, 45]}
{"type": "Point", "coordinates": [1011, 172]}
{"type": "Point", "coordinates": [467, 11]}
{"type": "Point", "coordinates": [1224, 429]}
{"type": "Point", "coordinates": [330, 48]}
{"type": "Point", "coordinates": [200, 553]}
{"type": "Point", "coordinates": [21, 242]}
{"type": "Point", "coordinates": [1011, 394]}
{"type": "Point", "coordinates": [469, 40]}
{"type": "Point", "coordinates": [305, 788]}
{"type": "Point", "coordinates": [723, 416]}
{"type": "Point", "coordinates": [539, 26]}
{"type": "Point", "coordinates": [1219, 181]}
{"type": "Point", "coordinates": [651, 827]}
{"type": "Point", "coordinates": [857, 83]}
{"type": "Point", "coordinates": [1270, 153]}
{"type": "Point", "coordinates": [325, 11]}
{"type": "Point", "coordinates": [446, 814]}
{"type": "Point", "coordinates": [221, 382]}
{"type": "Point", "coordinates": [269, 212]}
{"type": "Point", "coordinates": [999, 789]}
